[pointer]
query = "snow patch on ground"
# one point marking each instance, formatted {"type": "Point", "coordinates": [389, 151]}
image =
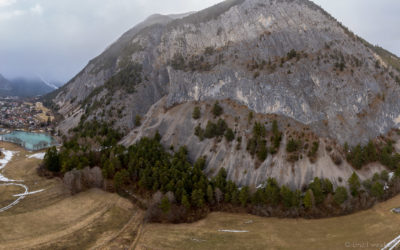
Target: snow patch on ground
{"type": "Point", "coordinates": [28, 193]}
{"type": "Point", "coordinates": [391, 245]}
{"type": "Point", "coordinates": [8, 155]}
{"type": "Point", "coordinates": [39, 156]}
{"type": "Point", "coordinates": [17, 200]}
{"type": "Point", "coordinates": [232, 231]}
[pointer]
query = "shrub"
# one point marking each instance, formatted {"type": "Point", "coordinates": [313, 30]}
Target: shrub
{"type": "Point", "coordinates": [239, 143]}
{"type": "Point", "coordinates": [209, 51]}
{"type": "Point", "coordinates": [214, 130]}
{"type": "Point", "coordinates": [250, 116]}
{"type": "Point", "coordinates": [291, 54]}
{"type": "Point", "coordinates": [314, 149]}
{"type": "Point", "coordinates": [211, 130]}
{"type": "Point", "coordinates": [259, 130]}
{"type": "Point", "coordinates": [199, 132]}
{"type": "Point", "coordinates": [138, 120]}
{"type": "Point", "coordinates": [229, 135]}
{"type": "Point", "coordinates": [165, 205]}
{"type": "Point", "coordinates": [257, 144]}
{"type": "Point", "coordinates": [293, 146]}
{"type": "Point", "coordinates": [217, 109]}
{"type": "Point", "coordinates": [221, 127]}
{"type": "Point", "coordinates": [340, 66]}
{"type": "Point", "coordinates": [196, 113]}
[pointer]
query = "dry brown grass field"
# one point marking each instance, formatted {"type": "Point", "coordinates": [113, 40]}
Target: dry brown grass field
{"type": "Point", "coordinates": [53, 219]}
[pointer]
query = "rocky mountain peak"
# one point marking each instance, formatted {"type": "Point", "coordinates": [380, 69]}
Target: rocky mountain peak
{"type": "Point", "coordinates": [287, 58]}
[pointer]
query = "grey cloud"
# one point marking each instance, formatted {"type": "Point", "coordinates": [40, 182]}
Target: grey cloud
{"type": "Point", "coordinates": [56, 38]}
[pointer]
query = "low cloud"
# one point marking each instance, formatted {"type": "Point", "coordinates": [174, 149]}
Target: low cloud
{"type": "Point", "coordinates": [4, 3]}
{"type": "Point", "coordinates": [6, 14]}
{"type": "Point", "coordinates": [56, 38]}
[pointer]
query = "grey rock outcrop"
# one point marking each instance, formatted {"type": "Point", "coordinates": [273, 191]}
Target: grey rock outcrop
{"type": "Point", "coordinates": [177, 127]}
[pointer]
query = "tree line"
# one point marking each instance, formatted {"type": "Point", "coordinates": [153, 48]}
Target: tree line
{"type": "Point", "coordinates": [150, 169]}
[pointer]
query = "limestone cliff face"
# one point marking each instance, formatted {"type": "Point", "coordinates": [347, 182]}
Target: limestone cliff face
{"type": "Point", "coordinates": [177, 127]}
{"type": "Point", "coordinates": [284, 57]}
{"type": "Point", "coordinates": [239, 50]}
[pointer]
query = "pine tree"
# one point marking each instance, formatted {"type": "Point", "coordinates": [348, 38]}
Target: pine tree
{"type": "Point", "coordinates": [185, 201]}
{"type": "Point", "coordinates": [220, 180]}
{"type": "Point", "coordinates": [272, 192]}
{"type": "Point", "coordinates": [262, 152]}
{"type": "Point", "coordinates": [309, 200]}
{"type": "Point", "coordinates": [377, 190]}
{"type": "Point", "coordinates": [198, 198]}
{"type": "Point", "coordinates": [286, 196]}
{"type": "Point", "coordinates": [52, 160]}
{"type": "Point", "coordinates": [296, 198]}
{"type": "Point", "coordinates": [354, 183]}
{"type": "Point", "coordinates": [121, 178]}
{"type": "Point", "coordinates": [340, 195]}
{"type": "Point", "coordinates": [210, 194]}
{"type": "Point", "coordinates": [316, 187]}
{"type": "Point", "coordinates": [244, 196]}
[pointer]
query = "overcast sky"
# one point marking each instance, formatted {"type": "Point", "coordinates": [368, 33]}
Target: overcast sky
{"type": "Point", "coordinates": [56, 38]}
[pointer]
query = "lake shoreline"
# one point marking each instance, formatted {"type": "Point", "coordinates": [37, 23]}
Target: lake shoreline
{"type": "Point", "coordinates": [30, 141]}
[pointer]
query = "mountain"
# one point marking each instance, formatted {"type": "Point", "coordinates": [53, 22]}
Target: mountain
{"type": "Point", "coordinates": [5, 85]}
{"type": "Point", "coordinates": [23, 87]}
{"type": "Point", "coordinates": [264, 60]}
{"type": "Point", "coordinates": [31, 87]}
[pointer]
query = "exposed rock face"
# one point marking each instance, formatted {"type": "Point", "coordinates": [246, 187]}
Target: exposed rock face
{"type": "Point", "coordinates": [352, 105]}
{"type": "Point", "coordinates": [80, 180]}
{"type": "Point", "coordinates": [177, 127]}
{"type": "Point", "coordinates": [284, 57]}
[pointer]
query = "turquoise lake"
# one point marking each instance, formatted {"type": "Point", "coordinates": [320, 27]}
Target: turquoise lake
{"type": "Point", "coordinates": [28, 140]}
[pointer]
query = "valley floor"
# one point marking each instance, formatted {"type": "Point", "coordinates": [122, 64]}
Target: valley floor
{"type": "Point", "coordinates": [53, 219]}
{"type": "Point", "coordinates": [371, 229]}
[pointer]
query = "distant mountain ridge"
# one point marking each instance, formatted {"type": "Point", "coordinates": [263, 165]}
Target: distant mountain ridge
{"type": "Point", "coordinates": [23, 87]}
{"type": "Point", "coordinates": [5, 85]}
